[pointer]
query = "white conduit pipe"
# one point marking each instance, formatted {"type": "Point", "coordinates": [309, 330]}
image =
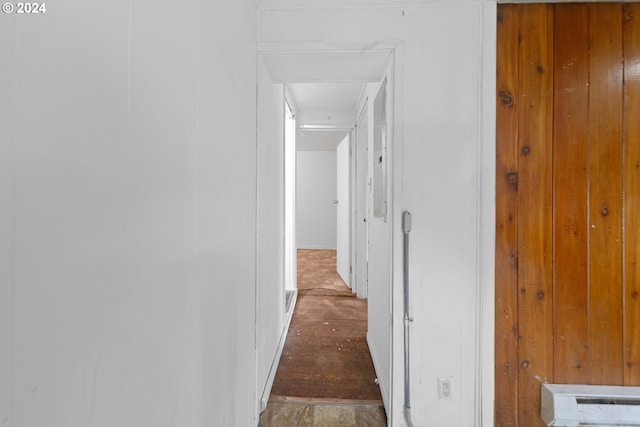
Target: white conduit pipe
{"type": "Point", "coordinates": [406, 229]}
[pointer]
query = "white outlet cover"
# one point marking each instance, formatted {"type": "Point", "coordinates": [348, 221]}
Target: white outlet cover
{"type": "Point", "coordinates": [445, 388]}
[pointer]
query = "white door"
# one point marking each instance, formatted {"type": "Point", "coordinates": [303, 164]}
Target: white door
{"type": "Point", "coordinates": [361, 217]}
{"type": "Point", "coordinates": [343, 232]}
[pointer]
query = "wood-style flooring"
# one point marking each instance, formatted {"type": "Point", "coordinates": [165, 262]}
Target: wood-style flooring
{"type": "Point", "coordinates": [325, 376]}
{"type": "Point", "coordinates": [280, 414]}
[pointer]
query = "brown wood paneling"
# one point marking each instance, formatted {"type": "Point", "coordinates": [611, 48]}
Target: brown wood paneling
{"type": "Point", "coordinates": [568, 200]}
{"type": "Point", "coordinates": [571, 75]}
{"type": "Point", "coordinates": [605, 194]}
{"type": "Point", "coordinates": [631, 42]}
{"type": "Point", "coordinates": [506, 311]}
{"type": "Point", "coordinates": [535, 309]}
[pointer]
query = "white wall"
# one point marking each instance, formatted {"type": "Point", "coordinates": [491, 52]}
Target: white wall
{"type": "Point", "coordinates": [128, 203]}
{"type": "Point", "coordinates": [270, 283]}
{"type": "Point", "coordinates": [7, 40]}
{"type": "Point", "coordinates": [442, 173]}
{"type": "Point", "coordinates": [343, 209]}
{"type": "Point", "coordinates": [316, 226]}
{"type": "Point", "coordinates": [315, 193]}
{"type": "Point", "coordinates": [379, 253]}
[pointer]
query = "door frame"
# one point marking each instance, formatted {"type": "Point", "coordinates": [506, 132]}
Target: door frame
{"type": "Point", "coordinates": [369, 61]}
{"type": "Point", "coordinates": [343, 185]}
{"type": "Point", "coordinates": [360, 283]}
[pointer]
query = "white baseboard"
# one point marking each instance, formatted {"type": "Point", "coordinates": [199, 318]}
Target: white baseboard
{"type": "Point", "coordinates": [376, 366]}
{"type": "Point", "coordinates": [276, 360]}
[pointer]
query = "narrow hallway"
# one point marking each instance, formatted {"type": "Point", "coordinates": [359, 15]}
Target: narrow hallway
{"type": "Point", "coordinates": [326, 375]}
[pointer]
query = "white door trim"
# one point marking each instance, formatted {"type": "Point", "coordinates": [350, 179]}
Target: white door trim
{"type": "Point", "coordinates": [289, 63]}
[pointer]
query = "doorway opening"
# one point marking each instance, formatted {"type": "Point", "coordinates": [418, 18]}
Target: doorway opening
{"type": "Point", "coordinates": [325, 124]}
{"type": "Point", "coordinates": [350, 132]}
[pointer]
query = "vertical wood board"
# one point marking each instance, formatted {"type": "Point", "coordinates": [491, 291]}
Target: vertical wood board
{"type": "Point", "coordinates": [506, 311]}
{"type": "Point", "coordinates": [535, 310]}
{"type": "Point", "coordinates": [605, 194]}
{"type": "Point", "coordinates": [571, 74]}
{"type": "Point", "coordinates": [631, 42]}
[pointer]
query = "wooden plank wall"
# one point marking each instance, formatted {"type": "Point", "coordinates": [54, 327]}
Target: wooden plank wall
{"type": "Point", "coordinates": [568, 201]}
{"type": "Point", "coordinates": [631, 183]}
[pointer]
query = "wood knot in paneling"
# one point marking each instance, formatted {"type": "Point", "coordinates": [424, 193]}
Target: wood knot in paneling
{"type": "Point", "coordinates": [512, 180]}
{"type": "Point", "coordinates": [628, 14]}
{"type": "Point", "coordinates": [525, 364]}
{"type": "Point", "coordinates": [525, 150]}
{"type": "Point", "coordinates": [506, 98]}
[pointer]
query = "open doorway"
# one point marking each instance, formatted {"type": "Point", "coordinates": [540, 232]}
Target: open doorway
{"type": "Point", "coordinates": [326, 358]}
{"type": "Point", "coordinates": [281, 75]}
{"type": "Point", "coordinates": [325, 122]}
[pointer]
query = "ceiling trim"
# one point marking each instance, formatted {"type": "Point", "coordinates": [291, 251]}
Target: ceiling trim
{"type": "Point", "coordinates": [309, 63]}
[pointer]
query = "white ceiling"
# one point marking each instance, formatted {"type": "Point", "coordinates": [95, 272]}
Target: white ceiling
{"type": "Point", "coordinates": [325, 84]}
{"type": "Point", "coordinates": [326, 96]}
{"type": "Point", "coordinates": [303, 67]}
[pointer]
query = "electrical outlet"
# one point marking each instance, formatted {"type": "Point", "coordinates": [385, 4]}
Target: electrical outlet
{"type": "Point", "coordinates": [445, 388]}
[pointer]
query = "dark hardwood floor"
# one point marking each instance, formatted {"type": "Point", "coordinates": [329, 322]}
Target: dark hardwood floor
{"type": "Point", "coordinates": [325, 367]}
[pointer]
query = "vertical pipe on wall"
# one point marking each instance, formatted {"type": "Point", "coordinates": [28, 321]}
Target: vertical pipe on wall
{"type": "Point", "coordinates": [406, 228]}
